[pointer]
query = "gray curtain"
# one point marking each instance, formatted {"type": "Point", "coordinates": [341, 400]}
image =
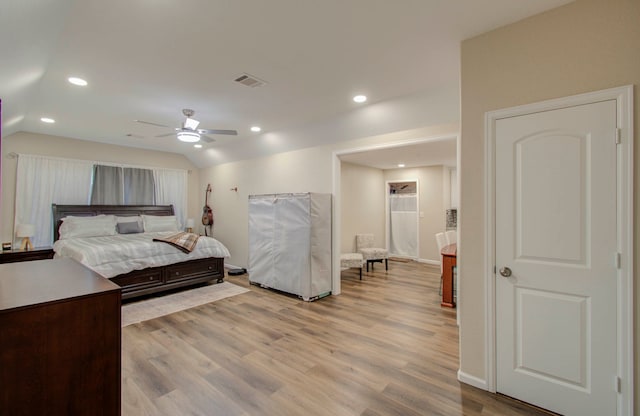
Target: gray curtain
{"type": "Point", "coordinates": [113, 185]}
{"type": "Point", "coordinates": [107, 185]}
{"type": "Point", "coordinates": [138, 187]}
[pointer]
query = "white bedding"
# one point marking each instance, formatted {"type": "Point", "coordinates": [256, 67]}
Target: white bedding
{"type": "Point", "coordinates": [117, 254]}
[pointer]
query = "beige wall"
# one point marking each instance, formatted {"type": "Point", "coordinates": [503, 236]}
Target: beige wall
{"type": "Point", "coordinates": [362, 206]}
{"type": "Point", "coordinates": [432, 204]}
{"type": "Point", "coordinates": [307, 170]}
{"type": "Point", "coordinates": [584, 46]}
{"type": "Point", "coordinates": [38, 144]}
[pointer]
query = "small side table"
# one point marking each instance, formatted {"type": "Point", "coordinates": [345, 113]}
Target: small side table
{"type": "Point", "coordinates": [38, 253]}
{"type": "Point", "coordinates": [449, 261]}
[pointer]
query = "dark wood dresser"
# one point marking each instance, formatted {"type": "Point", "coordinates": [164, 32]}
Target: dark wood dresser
{"type": "Point", "coordinates": [60, 340]}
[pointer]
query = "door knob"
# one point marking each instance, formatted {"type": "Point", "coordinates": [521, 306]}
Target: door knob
{"type": "Point", "coordinates": [505, 271]}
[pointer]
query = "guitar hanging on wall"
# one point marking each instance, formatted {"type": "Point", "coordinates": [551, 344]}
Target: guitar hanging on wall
{"type": "Point", "coordinates": [207, 212]}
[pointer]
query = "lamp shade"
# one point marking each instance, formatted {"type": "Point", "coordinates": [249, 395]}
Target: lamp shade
{"type": "Point", "coordinates": [25, 230]}
{"type": "Point", "coordinates": [190, 223]}
{"type": "Point", "coordinates": [191, 124]}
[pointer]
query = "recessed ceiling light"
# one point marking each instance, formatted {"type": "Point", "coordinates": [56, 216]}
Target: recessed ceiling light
{"type": "Point", "coordinates": [197, 146]}
{"type": "Point", "coordinates": [360, 98]}
{"type": "Point", "coordinates": [77, 81]}
{"type": "Point", "coordinates": [47, 120]}
{"type": "Point", "coordinates": [400, 165]}
{"type": "Point", "coordinates": [256, 129]}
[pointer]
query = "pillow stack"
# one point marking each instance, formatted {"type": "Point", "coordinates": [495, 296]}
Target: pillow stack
{"type": "Point", "coordinates": [106, 225]}
{"type": "Point", "coordinates": [98, 226]}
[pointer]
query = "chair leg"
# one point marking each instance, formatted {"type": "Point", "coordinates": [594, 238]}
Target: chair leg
{"type": "Point", "coordinates": [360, 272]}
{"type": "Point", "coordinates": [367, 266]}
{"type": "Point", "coordinates": [386, 264]}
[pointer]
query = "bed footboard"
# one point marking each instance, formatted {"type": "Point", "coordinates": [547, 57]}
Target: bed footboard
{"type": "Point", "coordinates": [172, 276]}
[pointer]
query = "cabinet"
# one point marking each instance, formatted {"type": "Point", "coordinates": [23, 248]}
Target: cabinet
{"type": "Point", "coordinates": [59, 340]}
{"type": "Point", "coordinates": [38, 253]}
{"type": "Point", "coordinates": [290, 243]}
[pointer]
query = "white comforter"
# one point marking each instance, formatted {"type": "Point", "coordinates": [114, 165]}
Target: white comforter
{"type": "Point", "coordinates": [114, 255]}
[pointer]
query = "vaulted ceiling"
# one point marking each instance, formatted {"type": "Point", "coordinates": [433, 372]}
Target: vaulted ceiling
{"type": "Point", "coordinates": [149, 59]}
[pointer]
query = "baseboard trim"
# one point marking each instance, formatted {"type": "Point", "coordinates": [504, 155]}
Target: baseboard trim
{"type": "Point", "coordinates": [426, 261]}
{"type": "Point", "coordinates": [472, 380]}
{"type": "Point", "coordinates": [231, 266]}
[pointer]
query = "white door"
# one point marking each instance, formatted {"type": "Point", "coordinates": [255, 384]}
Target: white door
{"type": "Point", "coordinates": [556, 233]}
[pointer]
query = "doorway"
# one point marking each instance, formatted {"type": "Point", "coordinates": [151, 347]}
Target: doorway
{"type": "Point", "coordinates": [402, 218]}
{"type": "Point", "coordinates": [430, 151]}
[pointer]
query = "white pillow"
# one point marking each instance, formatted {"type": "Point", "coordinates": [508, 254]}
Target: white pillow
{"type": "Point", "coordinates": [153, 223]}
{"type": "Point", "coordinates": [98, 226]}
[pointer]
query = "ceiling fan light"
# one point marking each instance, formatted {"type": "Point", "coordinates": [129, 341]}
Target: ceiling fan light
{"type": "Point", "coordinates": [188, 136]}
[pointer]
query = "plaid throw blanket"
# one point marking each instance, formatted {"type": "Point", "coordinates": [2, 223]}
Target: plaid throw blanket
{"type": "Point", "coordinates": [185, 242]}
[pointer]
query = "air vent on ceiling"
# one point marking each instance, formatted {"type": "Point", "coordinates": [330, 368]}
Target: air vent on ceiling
{"type": "Point", "coordinates": [250, 81]}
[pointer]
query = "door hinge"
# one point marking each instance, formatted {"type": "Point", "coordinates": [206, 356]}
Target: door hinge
{"type": "Point", "coordinates": [494, 269]}
{"type": "Point", "coordinates": [617, 260]}
{"type": "Point", "coordinates": [618, 136]}
{"type": "Point", "coordinates": [617, 384]}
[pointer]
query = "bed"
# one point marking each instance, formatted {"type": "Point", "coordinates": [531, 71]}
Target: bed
{"type": "Point", "coordinates": [150, 267]}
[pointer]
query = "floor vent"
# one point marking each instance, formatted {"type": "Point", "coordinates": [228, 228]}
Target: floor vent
{"type": "Point", "coordinates": [250, 81]}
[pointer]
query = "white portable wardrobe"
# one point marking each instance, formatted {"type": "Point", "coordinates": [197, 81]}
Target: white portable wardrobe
{"type": "Point", "coordinates": [290, 243]}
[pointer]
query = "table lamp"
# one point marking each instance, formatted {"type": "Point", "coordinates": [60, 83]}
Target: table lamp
{"type": "Point", "coordinates": [25, 231]}
{"type": "Point", "coordinates": [190, 225]}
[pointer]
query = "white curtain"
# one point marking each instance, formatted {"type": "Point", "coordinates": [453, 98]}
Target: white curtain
{"type": "Point", "coordinates": [171, 188]}
{"type": "Point", "coordinates": [42, 181]}
{"type": "Point", "coordinates": [403, 226]}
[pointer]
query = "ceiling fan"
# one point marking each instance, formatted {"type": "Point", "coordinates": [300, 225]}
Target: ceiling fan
{"type": "Point", "coordinates": [189, 132]}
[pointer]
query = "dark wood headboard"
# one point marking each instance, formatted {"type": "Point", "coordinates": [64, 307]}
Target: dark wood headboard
{"type": "Point", "coordinates": [61, 211]}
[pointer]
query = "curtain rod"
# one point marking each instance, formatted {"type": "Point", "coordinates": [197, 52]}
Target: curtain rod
{"type": "Point", "coordinates": [14, 155]}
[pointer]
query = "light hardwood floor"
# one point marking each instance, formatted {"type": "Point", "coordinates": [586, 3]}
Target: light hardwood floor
{"type": "Point", "coordinates": [383, 347]}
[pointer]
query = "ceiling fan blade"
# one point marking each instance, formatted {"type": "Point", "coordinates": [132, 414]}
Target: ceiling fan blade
{"type": "Point", "coordinates": [206, 139]}
{"type": "Point", "coordinates": [149, 122]}
{"type": "Point", "coordinates": [209, 131]}
{"type": "Point", "coordinates": [165, 135]}
{"type": "Point", "coordinates": [137, 136]}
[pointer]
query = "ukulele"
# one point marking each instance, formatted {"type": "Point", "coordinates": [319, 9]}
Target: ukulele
{"type": "Point", "coordinates": [207, 212]}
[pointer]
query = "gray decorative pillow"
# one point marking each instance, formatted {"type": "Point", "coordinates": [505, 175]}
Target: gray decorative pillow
{"type": "Point", "coordinates": [129, 227]}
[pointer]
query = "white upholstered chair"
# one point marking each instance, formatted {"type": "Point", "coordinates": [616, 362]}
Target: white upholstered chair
{"type": "Point", "coordinates": [441, 241]}
{"type": "Point", "coordinates": [349, 260]}
{"type": "Point", "coordinates": [451, 236]}
{"type": "Point", "coordinates": [371, 254]}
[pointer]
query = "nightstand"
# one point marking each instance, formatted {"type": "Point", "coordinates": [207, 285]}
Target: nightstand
{"type": "Point", "coordinates": [38, 253]}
